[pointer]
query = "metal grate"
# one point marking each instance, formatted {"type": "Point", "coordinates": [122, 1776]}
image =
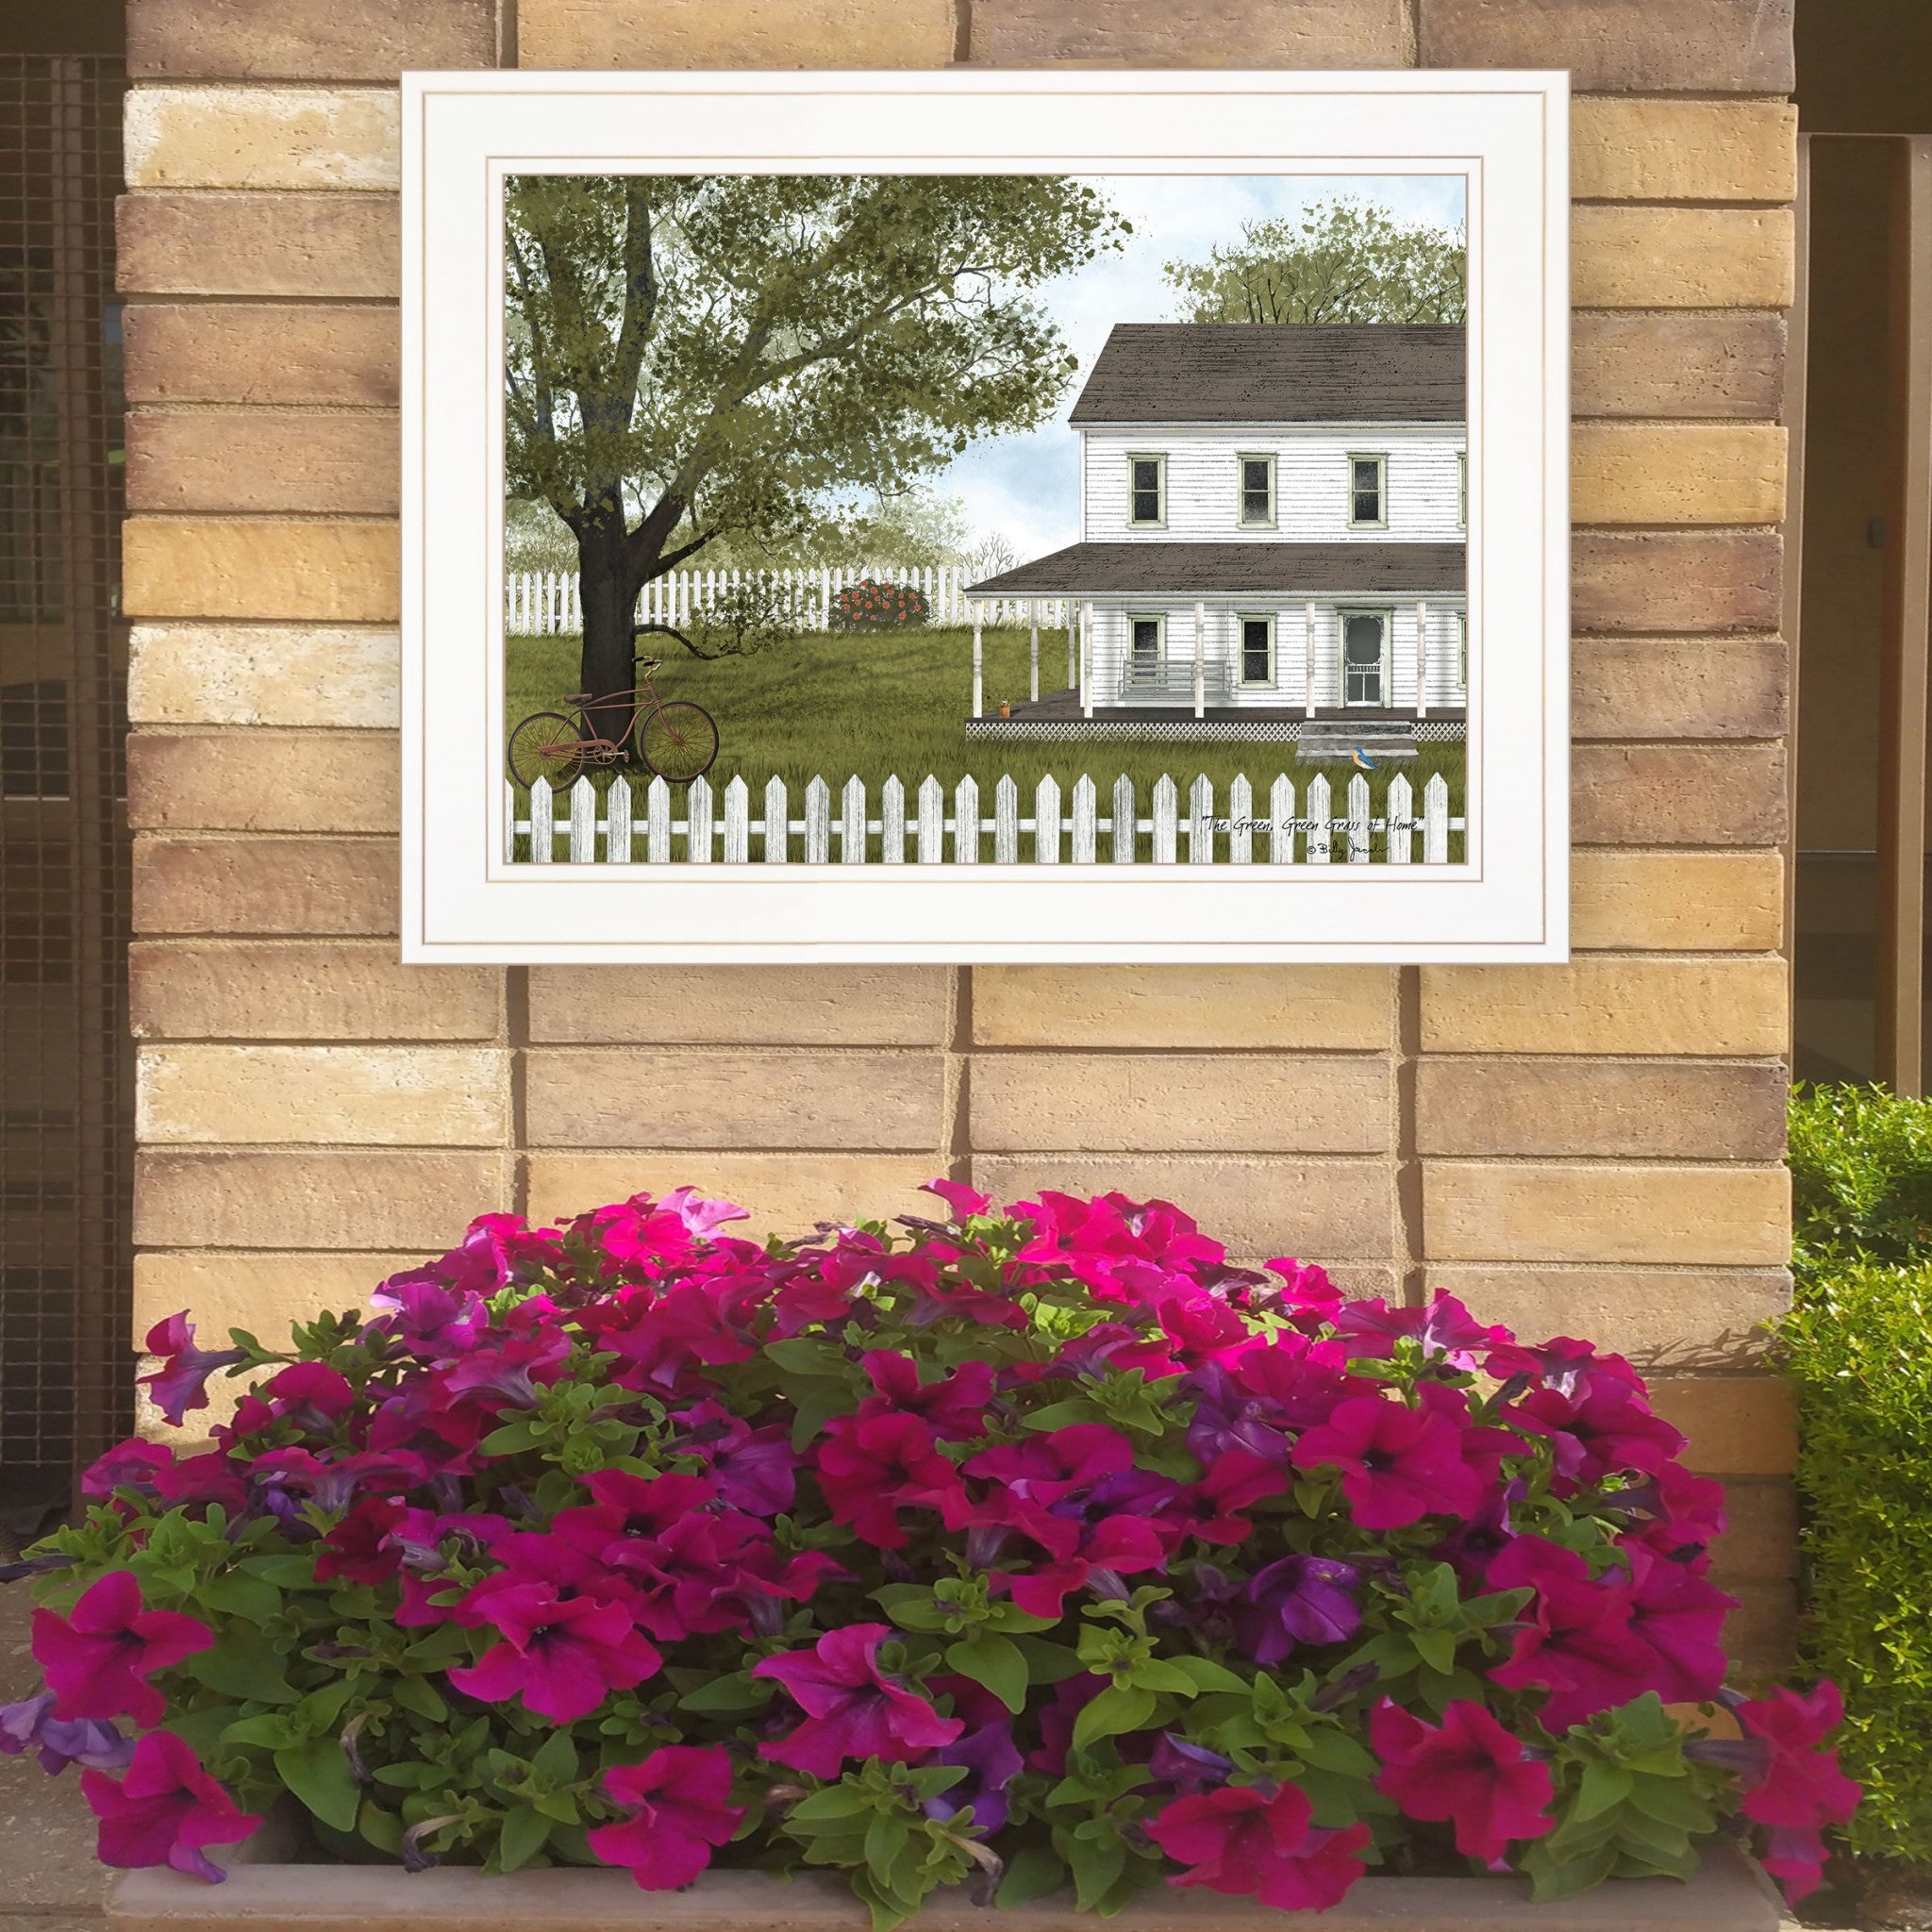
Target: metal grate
{"type": "Point", "coordinates": [66, 1084]}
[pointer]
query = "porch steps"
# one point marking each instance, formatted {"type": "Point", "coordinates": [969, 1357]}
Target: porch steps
{"type": "Point", "coordinates": [1336, 740]}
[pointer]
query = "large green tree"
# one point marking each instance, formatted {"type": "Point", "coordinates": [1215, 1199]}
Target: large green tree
{"type": "Point", "coordinates": [1346, 260]}
{"type": "Point", "coordinates": [690, 357]}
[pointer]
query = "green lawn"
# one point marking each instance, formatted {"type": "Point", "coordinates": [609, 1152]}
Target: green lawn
{"type": "Point", "coordinates": [832, 704]}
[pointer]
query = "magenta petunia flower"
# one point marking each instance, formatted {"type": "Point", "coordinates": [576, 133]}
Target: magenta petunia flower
{"type": "Point", "coordinates": [964, 1201]}
{"type": "Point", "coordinates": [871, 1467]}
{"type": "Point", "coordinates": [132, 1463]}
{"type": "Point", "coordinates": [677, 1799]}
{"type": "Point", "coordinates": [954, 1406]}
{"type": "Point", "coordinates": [181, 1382]}
{"type": "Point", "coordinates": [753, 1469]}
{"type": "Point", "coordinates": [1802, 1785]}
{"type": "Point", "coordinates": [1241, 1841]}
{"type": "Point", "coordinates": [851, 1708]}
{"type": "Point", "coordinates": [564, 1647]}
{"type": "Point", "coordinates": [1299, 1600]}
{"type": "Point", "coordinates": [1680, 1615]}
{"type": "Point", "coordinates": [1397, 1464]}
{"type": "Point", "coordinates": [1603, 1428]}
{"type": "Point", "coordinates": [1468, 1771]}
{"type": "Point", "coordinates": [97, 1661]}
{"type": "Point", "coordinates": [165, 1810]}
{"type": "Point", "coordinates": [1574, 1638]}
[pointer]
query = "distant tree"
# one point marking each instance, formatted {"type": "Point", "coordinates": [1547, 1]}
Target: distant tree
{"type": "Point", "coordinates": [994, 552]}
{"type": "Point", "coordinates": [1347, 261]}
{"type": "Point", "coordinates": [692, 356]}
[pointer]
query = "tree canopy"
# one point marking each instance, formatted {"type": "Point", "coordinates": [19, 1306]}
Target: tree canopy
{"type": "Point", "coordinates": [694, 355]}
{"type": "Point", "coordinates": [1347, 261]}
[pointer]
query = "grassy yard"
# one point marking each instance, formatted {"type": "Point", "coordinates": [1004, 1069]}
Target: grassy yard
{"type": "Point", "coordinates": [831, 705]}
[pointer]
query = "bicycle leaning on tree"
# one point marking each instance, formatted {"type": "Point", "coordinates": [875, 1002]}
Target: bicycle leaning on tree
{"type": "Point", "coordinates": [674, 739]}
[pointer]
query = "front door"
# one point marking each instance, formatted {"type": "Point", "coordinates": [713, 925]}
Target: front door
{"type": "Point", "coordinates": [1364, 648]}
{"type": "Point", "coordinates": [1143, 651]}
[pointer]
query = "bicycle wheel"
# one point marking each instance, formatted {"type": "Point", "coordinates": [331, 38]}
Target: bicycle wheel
{"type": "Point", "coordinates": [679, 741]}
{"type": "Point", "coordinates": [545, 746]}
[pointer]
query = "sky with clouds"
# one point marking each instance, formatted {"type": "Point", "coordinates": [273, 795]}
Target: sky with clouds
{"type": "Point", "coordinates": [1027, 487]}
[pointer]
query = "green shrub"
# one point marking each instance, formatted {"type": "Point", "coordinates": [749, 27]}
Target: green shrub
{"type": "Point", "coordinates": [1858, 1348]}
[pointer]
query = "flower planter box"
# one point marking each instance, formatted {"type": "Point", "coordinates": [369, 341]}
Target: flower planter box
{"type": "Point", "coordinates": [1730, 1895]}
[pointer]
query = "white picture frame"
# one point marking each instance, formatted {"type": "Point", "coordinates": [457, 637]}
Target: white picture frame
{"type": "Point", "coordinates": [1507, 901]}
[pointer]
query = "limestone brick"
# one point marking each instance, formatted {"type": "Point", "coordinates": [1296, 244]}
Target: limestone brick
{"type": "Point", "coordinates": [1573, 1211]}
{"type": "Point", "coordinates": [1703, 687]}
{"type": "Point", "coordinates": [262, 781]}
{"type": "Point", "coordinates": [1676, 901]}
{"type": "Point", "coordinates": [306, 990]}
{"type": "Point", "coordinates": [1552, 1103]}
{"type": "Point", "coordinates": [306, 40]}
{"type": "Point", "coordinates": [1652, 150]}
{"type": "Point", "coordinates": [633, 1097]}
{"type": "Point", "coordinates": [1636, 581]}
{"type": "Point", "coordinates": [408, 1199]}
{"type": "Point", "coordinates": [256, 461]}
{"type": "Point", "coordinates": [1631, 363]}
{"type": "Point", "coordinates": [365, 1095]}
{"type": "Point", "coordinates": [305, 245]}
{"type": "Point", "coordinates": [260, 673]}
{"type": "Point", "coordinates": [265, 1294]}
{"type": "Point", "coordinates": [1679, 794]}
{"type": "Point", "coordinates": [326, 887]}
{"type": "Point", "coordinates": [262, 137]}
{"type": "Point", "coordinates": [784, 1006]}
{"type": "Point", "coordinates": [1680, 258]}
{"type": "Point", "coordinates": [1736, 1424]}
{"type": "Point", "coordinates": [262, 352]}
{"type": "Point", "coordinates": [1182, 1103]}
{"type": "Point", "coordinates": [1678, 473]}
{"type": "Point", "coordinates": [1331, 1007]}
{"type": "Point", "coordinates": [752, 33]}
{"type": "Point", "coordinates": [331, 572]}
{"type": "Point", "coordinates": [1608, 1005]}
{"type": "Point", "coordinates": [1192, 33]}
{"type": "Point", "coordinates": [1258, 1205]}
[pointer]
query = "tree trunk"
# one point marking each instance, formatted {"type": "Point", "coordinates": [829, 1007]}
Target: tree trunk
{"type": "Point", "coordinates": [610, 598]}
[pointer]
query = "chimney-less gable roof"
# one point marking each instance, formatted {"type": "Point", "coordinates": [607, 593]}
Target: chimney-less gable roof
{"type": "Point", "coordinates": [1355, 568]}
{"type": "Point", "coordinates": [1217, 372]}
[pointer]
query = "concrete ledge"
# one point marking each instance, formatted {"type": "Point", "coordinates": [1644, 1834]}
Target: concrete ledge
{"type": "Point", "coordinates": [1728, 1895]}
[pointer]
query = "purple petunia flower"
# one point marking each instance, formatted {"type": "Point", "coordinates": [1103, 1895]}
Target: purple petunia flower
{"type": "Point", "coordinates": [181, 1382]}
{"type": "Point", "coordinates": [1300, 1600]}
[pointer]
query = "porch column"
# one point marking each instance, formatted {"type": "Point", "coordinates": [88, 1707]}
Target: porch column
{"type": "Point", "coordinates": [1033, 647]}
{"type": "Point", "coordinates": [1422, 660]}
{"type": "Point", "coordinates": [1200, 659]}
{"type": "Point", "coordinates": [979, 703]}
{"type": "Point", "coordinates": [1072, 648]}
{"type": "Point", "coordinates": [1309, 658]}
{"type": "Point", "coordinates": [1087, 660]}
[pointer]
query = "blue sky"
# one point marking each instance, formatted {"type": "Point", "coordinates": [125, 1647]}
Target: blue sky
{"type": "Point", "coordinates": [1027, 487]}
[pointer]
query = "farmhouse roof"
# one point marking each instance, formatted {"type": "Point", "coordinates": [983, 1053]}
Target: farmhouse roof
{"type": "Point", "coordinates": [1242, 569]}
{"type": "Point", "coordinates": [1215, 371]}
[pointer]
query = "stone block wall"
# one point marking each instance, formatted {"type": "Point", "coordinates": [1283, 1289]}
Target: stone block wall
{"type": "Point", "coordinates": [1593, 1148]}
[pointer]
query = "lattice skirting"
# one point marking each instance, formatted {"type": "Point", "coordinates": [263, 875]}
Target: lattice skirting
{"type": "Point", "coordinates": [1181, 730]}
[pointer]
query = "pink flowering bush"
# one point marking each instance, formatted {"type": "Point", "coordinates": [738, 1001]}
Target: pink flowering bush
{"type": "Point", "coordinates": [1028, 1549]}
{"type": "Point", "coordinates": [871, 604]}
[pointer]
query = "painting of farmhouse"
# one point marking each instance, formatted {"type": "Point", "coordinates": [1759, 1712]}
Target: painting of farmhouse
{"type": "Point", "coordinates": [1020, 519]}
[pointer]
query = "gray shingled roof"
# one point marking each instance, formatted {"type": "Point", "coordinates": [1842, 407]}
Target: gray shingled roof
{"type": "Point", "coordinates": [1216, 372]}
{"type": "Point", "coordinates": [1196, 569]}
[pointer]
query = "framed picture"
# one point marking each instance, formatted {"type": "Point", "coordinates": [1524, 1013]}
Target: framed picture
{"type": "Point", "coordinates": [978, 516]}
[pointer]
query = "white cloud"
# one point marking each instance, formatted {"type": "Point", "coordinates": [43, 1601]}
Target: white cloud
{"type": "Point", "coordinates": [1027, 487]}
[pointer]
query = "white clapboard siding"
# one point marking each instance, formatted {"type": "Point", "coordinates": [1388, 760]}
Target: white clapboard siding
{"type": "Point", "coordinates": [702, 827]}
{"type": "Point", "coordinates": [1312, 500]}
{"type": "Point", "coordinates": [546, 603]}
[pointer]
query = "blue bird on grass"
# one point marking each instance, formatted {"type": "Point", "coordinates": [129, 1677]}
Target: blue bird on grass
{"type": "Point", "coordinates": [1362, 761]}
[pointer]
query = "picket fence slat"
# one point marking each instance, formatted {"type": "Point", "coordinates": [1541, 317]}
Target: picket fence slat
{"type": "Point", "coordinates": [721, 827]}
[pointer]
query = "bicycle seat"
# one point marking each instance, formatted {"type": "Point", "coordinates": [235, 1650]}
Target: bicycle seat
{"type": "Point", "coordinates": [647, 663]}
{"type": "Point", "coordinates": [579, 697]}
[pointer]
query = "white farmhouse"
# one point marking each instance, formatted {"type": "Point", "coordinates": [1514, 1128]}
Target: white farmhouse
{"type": "Point", "coordinates": [1271, 535]}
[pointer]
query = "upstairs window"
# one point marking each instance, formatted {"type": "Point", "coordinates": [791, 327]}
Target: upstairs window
{"type": "Point", "coordinates": [1257, 490]}
{"type": "Point", "coordinates": [1367, 496]}
{"type": "Point", "coordinates": [1146, 490]}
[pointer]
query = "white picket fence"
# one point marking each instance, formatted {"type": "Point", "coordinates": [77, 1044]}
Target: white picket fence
{"type": "Point", "coordinates": [938, 835]}
{"type": "Point", "coordinates": [546, 604]}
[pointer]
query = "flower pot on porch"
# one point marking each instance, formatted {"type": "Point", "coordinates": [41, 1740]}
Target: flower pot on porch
{"type": "Point", "coordinates": [1729, 1894]}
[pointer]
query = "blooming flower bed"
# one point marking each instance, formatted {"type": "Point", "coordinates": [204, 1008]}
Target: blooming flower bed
{"type": "Point", "coordinates": [1030, 1549]}
{"type": "Point", "coordinates": [872, 604]}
